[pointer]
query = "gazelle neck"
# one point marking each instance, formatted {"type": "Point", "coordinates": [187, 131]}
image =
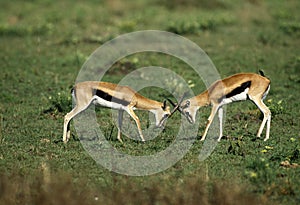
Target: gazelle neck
{"type": "Point", "coordinates": [144, 103]}
{"type": "Point", "coordinates": [201, 100]}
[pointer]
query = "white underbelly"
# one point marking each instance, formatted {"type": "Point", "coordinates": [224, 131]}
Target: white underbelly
{"type": "Point", "coordinates": [239, 97]}
{"type": "Point", "coordinates": [104, 103]}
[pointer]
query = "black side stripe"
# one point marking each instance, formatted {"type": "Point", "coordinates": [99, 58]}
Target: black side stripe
{"type": "Point", "coordinates": [239, 89]}
{"type": "Point", "coordinates": [110, 98]}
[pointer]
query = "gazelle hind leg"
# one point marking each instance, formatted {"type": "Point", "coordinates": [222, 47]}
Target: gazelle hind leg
{"type": "Point", "coordinates": [120, 120]}
{"type": "Point", "coordinates": [220, 115]}
{"type": "Point", "coordinates": [214, 109]}
{"type": "Point", "coordinates": [268, 128]}
{"type": "Point", "coordinates": [267, 118]}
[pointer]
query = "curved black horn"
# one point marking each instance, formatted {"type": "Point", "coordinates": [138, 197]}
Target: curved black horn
{"type": "Point", "coordinates": [164, 105]}
{"type": "Point", "coordinates": [172, 103]}
{"type": "Point", "coordinates": [177, 106]}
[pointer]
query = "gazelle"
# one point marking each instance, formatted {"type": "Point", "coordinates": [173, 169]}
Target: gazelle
{"type": "Point", "coordinates": [238, 87]}
{"type": "Point", "coordinates": [114, 96]}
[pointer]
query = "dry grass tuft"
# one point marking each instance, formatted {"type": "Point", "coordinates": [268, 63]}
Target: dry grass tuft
{"type": "Point", "coordinates": [46, 189]}
{"type": "Point", "coordinates": [17, 189]}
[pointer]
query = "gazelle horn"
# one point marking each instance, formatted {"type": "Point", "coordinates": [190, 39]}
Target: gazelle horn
{"type": "Point", "coordinates": [177, 106]}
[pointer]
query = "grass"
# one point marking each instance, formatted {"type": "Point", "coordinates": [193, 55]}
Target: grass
{"type": "Point", "coordinates": [43, 46]}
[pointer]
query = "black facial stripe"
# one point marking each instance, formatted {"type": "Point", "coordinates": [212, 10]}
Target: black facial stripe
{"type": "Point", "coordinates": [110, 98]}
{"type": "Point", "coordinates": [239, 89]}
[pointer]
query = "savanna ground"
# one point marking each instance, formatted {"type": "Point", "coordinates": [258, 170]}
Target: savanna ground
{"type": "Point", "coordinates": [43, 46]}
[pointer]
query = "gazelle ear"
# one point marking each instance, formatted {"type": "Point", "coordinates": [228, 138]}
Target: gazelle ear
{"type": "Point", "coordinates": [188, 103]}
{"type": "Point", "coordinates": [164, 105]}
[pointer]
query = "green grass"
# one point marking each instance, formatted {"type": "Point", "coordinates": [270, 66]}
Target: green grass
{"type": "Point", "coordinates": [43, 46]}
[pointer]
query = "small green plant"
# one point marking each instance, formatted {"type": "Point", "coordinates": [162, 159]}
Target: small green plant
{"type": "Point", "coordinates": [9, 30]}
{"type": "Point", "coordinates": [267, 38]}
{"type": "Point", "coordinates": [276, 107]}
{"type": "Point", "coordinates": [127, 26]}
{"type": "Point", "coordinates": [290, 27]}
{"type": "Point", "coordinates": [61, 102]}
{"type": "Point", "coordinates": [236, 148]}
{"type": "Point", "coordinates": [206, 4]}
{"type": "Point", "coordinates": [259, 172]}
{"type": "Point", "coordinates": [201, 23]}
{"type": "Point", "coordinates": [283, 14]}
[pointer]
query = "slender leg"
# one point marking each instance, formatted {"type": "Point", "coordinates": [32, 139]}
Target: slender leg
{"type": "Point", "coordinates": [268, 127]}
{"type": "Point", "coordinates": [137, 121]}
{"type": "Point", "coordinates": [77, 109]}
{"type": "Point", "coordinates": [67, 118]}
{"type": "Point", "coordinates": [220, 114]}
{"type": "Point", "coordinates": [66, 132]}
{"type": "Point", "coordinates": [267, 118]}
{"type": "Point", "coordinates": [120, 120]}
{"type": "Point", "coordinates": [214, 109]}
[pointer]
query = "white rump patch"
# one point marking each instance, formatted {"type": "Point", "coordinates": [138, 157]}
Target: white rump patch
{"type": "Point", "coordinates": [266, 93]}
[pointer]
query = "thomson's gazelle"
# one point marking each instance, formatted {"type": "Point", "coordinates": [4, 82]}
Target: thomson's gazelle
{"type": "Point", "coordinates": [238, 87]}
{"type": "Point", "coordinates": [110, 95]}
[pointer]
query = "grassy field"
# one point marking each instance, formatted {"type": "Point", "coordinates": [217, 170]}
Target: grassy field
{"type": "Point", "coordinates": [43, 46]}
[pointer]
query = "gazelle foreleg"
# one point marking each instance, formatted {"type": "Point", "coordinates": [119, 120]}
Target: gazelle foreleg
{"type": "Point", "coordinates": [213, 112]}
{"type": "Point", "coordinates": [137, 121]}
{"type": "Point", "coordinates": [77, 109]}
{"type": "Point", "coordinates": [67, 118]}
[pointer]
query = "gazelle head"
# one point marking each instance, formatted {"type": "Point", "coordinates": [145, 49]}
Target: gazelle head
{"type": "Point", "coordinates": [188, 110]}
{"type": "Point", "coordinates": [162, 114]}
{"type": "Point", "coordinates": [185, 108]}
